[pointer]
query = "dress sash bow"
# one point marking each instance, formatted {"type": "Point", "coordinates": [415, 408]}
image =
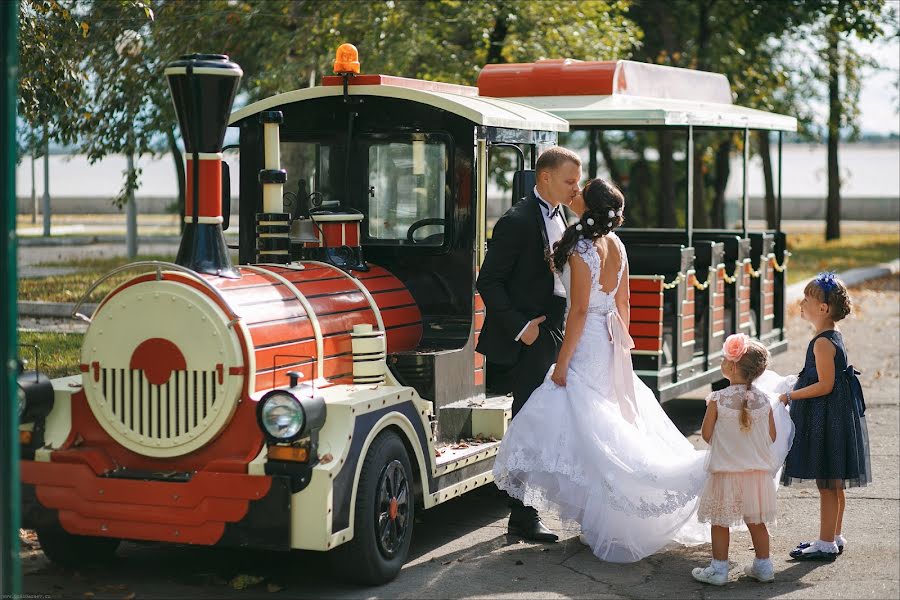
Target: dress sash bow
{"type": "Point", "coordinates": [856, 389]}
{"type": "Point", "coordinates": [622, 370]}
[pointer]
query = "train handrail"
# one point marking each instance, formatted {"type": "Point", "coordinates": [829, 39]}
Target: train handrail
{"type": "Point", "coordinates": [158, 265]}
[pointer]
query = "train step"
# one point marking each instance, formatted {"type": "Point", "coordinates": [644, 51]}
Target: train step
{"type": "Point", "coordinates": [484, 419]}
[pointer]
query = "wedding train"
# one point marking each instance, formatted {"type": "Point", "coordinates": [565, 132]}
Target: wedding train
{"type": "Point", "coordinates": [320, 389]}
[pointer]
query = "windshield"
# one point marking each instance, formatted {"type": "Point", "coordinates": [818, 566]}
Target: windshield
{"type": "Point", "coordinates": [407, 193]}
{"type": "Point", "coordinates": [404, 198]}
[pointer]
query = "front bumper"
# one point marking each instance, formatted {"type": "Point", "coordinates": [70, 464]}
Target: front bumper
{"type": "Point", "coordinates": [208, 508]}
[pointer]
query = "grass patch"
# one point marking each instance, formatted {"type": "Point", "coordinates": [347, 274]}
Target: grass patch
{"type": "Point", "coordinates": [71, 287]}
{"type": "Point", "coordinates": [812, 254]}
{"type": "Point", "coordinates": [60, 353]}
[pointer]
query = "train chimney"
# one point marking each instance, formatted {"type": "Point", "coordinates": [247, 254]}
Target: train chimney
{"type": "Point", "coordinates": [203, 88]}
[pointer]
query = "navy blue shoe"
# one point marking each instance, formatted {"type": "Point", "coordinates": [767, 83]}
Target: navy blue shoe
{"type": "Point", "coordinates": [798, 554]}
{"type": "Point", "coordinates": [805, 545]}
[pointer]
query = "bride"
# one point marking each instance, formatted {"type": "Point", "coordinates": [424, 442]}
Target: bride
{"type": "Point", "coordinates": [592, 443]}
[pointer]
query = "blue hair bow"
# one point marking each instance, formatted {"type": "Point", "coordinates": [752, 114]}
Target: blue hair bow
{"type": "Point", "coordinates": [826, 281]}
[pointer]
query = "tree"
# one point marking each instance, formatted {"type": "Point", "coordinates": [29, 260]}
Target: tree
{"type": "Point", "coordinates": [843, 19]}
{"type": "Point", "coordinates": [739, 39]}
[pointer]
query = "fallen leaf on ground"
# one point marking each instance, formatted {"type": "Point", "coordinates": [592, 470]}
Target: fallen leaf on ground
{"type": "Point", "coordinates": [241, 582]}
{"type": "Point", "coordinates": [129, 596]}
{"type": "Point", "coordinates": [273, 587]}
{"type": "Point", "coordinates": [519, 563]}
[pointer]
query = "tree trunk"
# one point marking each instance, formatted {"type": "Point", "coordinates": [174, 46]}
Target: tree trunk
{"type": "Point", "coordinates": [765, 153]}
{"type": "Point", "coordinates": [833, 206]}
{"type": "Point", "coordinates": [606, 151]}
{"type": "Point", "coordinates": [593, 134]}
{"type": "Point", "coordinates": [666, 181]}
{"type": "Point", "coordinates": [723, 172]}
{"type": "Point", "coordinates": [178, 159]}
{"type": "Point", "coordinates": [497, 38]}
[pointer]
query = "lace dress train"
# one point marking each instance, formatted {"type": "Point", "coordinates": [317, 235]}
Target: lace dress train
{"type": "Point", "coordinates": [602, 452]}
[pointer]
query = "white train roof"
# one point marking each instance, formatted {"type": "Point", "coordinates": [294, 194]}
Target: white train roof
{"type": "Point", "coordinates": [636, 110]}
{"type": "Point", "coordinates": [626, 93]}
{"type": "Point", "coordinates": [459, 100]}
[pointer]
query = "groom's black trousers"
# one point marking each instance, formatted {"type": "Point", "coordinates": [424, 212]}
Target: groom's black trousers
{"type": "Point", "coordinates": [527, 375]}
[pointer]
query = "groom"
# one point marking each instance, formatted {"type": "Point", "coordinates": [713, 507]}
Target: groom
{"type": "Point", "coordinates": [525, 301]}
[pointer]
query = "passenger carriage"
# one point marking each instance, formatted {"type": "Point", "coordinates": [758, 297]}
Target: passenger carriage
{"type": "Point", "coordinates": [691, 287]}
{"type": "Point", "coordinates": [320, 390]}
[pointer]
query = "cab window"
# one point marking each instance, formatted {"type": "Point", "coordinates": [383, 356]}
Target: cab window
{"type": "Point", "coordinates": [408, 190]}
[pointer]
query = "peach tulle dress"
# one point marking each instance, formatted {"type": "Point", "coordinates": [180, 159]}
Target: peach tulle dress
{"type": "Point", "coordinates": [740, 487]}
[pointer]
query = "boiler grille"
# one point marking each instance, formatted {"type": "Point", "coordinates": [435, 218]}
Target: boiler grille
{"type": "Point", "coordinates": [159, 413]}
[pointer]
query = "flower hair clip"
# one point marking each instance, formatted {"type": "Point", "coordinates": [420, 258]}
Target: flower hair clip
{"type": "Point", "coordinates": [826, 281]}
{"type": "Point", "coordinates": [736, 346]}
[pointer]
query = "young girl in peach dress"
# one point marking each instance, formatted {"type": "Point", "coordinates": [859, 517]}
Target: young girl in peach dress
{"type": "Point", "coordinates": [740, 427]}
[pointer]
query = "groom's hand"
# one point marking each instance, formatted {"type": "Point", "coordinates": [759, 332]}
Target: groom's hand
{"type": "Point", "coordinates": [532, 330]}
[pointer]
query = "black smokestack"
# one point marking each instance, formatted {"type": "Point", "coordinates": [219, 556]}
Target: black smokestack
{"type": "Point", "coordinates": [203, 88]}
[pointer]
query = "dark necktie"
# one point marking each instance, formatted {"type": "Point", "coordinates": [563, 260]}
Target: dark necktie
{"type": "Point", "coordinates": [552, 213]}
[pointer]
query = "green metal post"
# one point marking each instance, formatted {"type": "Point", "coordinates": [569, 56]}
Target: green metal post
{"type": "Point", "coordinates": [10, 575]}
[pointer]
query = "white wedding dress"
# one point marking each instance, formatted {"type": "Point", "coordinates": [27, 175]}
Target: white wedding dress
{"type": "Point", "coordinates": [630, 480]}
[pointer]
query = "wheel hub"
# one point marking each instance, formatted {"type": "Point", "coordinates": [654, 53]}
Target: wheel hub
{"type": "Point", "coordinates": [392, 509]}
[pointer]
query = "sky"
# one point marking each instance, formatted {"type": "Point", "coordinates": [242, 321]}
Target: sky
{"type": "Point", "coordinates": [878, 100]}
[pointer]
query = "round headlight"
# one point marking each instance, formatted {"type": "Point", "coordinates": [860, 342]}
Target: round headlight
{"type": "Point", "coordinates": [23, 400]}
{"type": "Point", "coordinates": [282, 416]}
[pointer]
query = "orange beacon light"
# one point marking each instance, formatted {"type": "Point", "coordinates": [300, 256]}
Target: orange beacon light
{"type": "Point", "coordinates": [346, 59]}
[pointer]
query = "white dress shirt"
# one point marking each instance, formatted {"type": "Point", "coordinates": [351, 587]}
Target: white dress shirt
{"type": "Point", "coordinates": [555, 227]}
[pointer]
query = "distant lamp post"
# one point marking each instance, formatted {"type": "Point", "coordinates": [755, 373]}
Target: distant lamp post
{"type": "Point", "coordinates": [129, 45]}
{"type": "Point", "coordinates": [45, 202]}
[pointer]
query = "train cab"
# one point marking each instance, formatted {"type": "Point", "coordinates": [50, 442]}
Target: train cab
{"type": "Point", "coordinates": [667, 137]}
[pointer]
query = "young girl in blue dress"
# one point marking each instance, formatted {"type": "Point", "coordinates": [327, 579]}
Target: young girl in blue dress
{"type": "Point", "coordinates": [831, 444]}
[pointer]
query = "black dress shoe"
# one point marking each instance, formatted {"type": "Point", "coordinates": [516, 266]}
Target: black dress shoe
{"type": "Point", "coordinates": [805, 545]}
{"type": "Point", "coordinates": [534, 530]}
{"type": "Point", "coordinates": [818, 555]}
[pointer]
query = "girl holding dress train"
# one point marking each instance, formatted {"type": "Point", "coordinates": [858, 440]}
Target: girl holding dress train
{"type": "Point", "coordinates": [740, 428]}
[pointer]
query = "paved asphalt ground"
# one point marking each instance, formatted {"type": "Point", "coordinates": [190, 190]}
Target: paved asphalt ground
{"type": "Point", "coordinates": [461, 550]}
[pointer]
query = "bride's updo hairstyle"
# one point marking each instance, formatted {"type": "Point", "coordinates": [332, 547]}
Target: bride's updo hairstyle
{"type": "Point", "coordinates": [603, 209]}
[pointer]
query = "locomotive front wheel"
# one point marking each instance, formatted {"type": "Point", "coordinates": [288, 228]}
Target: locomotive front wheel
{"type": "Point", "coordinates": [383, 516]}
{"type": "Point", "coordinates": [69, 550]}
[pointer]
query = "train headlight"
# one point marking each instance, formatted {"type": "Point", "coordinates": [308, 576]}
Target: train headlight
{"type": "Point", "coordinates": [281, 416]}
{"type": "Point", "coordinates": [287, 415]}
{"type": "Point", "coordinates": [35, 396]}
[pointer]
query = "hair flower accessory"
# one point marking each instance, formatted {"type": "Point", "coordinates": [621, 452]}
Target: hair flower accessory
{"type": "Point", "coordinates": [736, 346]}
{"type": "Point", "coordinates": [619, 212]}
{"type": "Point", "coordinates": [609, 224]}
{"type": "Point", "coordinates": [612, 213]}
{"type": "Point", "coordinates": [826, 281]}
{"type": "Point", "coordinates": [589, 221]}
{"type": "Point", "coordinates": [578, 227]}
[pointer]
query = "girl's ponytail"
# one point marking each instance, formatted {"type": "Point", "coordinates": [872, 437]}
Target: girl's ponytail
{"type": "Point", "coordinates": [752, 362]}
{"type": "Point", "coordinates": [746, 422]}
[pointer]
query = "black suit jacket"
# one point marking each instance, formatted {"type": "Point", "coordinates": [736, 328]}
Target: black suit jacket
{"type": "Point", "coordinates": [516, 281]}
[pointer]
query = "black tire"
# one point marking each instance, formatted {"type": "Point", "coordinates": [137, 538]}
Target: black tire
{"type": "Point", "coordinates": [383, 516]}
{"type": "Point", "coordinates": [69, 550]}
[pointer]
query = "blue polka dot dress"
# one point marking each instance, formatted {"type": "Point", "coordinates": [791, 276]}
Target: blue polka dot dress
{"type": "Point", "coordinates": [831, 444]}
